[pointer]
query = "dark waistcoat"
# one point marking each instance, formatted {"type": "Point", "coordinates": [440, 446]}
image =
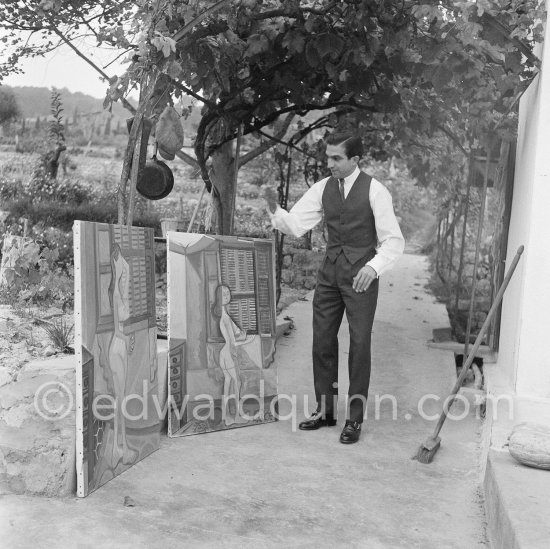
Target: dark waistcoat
{"type": "Point", "coordinates": [350, 222]}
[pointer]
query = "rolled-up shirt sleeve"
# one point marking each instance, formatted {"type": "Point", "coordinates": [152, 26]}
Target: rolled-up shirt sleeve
{"type": "Point", "coordinates": [304, 215]}
{"type": "Point", "coordinates": [390, 239]}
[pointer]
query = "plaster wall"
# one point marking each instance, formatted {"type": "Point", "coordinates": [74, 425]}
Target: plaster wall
{"type": "Point", "coordinates": [523, 357]}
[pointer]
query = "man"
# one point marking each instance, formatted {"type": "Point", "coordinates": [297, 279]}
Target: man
{"type": "Point", "coordinates": [364, 240]}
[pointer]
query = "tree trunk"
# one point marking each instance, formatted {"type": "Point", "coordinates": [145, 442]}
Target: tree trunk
{"type": "Point", "coordinates": [222, 177]}
{"type": "Point", "coordinates": [53, 161]}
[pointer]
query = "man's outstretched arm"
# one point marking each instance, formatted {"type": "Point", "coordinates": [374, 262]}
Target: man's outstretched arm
{"type": "Point", "coordinates": [305, 214]}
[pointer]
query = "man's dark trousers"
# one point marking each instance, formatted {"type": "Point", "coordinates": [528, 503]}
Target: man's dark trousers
{"type": "Point", "coordinates": [333, 295]}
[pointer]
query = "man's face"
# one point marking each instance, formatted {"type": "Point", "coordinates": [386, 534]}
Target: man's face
{"type": "Point", "coordinates": [339, 164]}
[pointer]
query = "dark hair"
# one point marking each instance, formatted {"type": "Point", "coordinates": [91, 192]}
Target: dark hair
{"type": "Point", "coordinates": [353, 146]}
{"type": "Point", "coordinates": [217, 306]}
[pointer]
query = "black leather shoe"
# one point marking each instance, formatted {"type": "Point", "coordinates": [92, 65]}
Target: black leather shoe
{"type": "Point", "coordinates": [351, 432]}
{"type": "Point", "coordinates": [316, 421]}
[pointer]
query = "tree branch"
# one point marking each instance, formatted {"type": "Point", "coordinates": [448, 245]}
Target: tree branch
{"type": "Point", "coordinates": [290, 13]}
{"type": "Point", "coordinates": [289, 143]}
{"type": "Point", "coordinates": [187, 159]}
{"type": "Point", "coordinates": [123, 100]}
{"type": "Point", "coordinates": [266, 146]}
{"type": "Point", "coordinates": [190, 92]}
{"type": "Point", "coordinates": [453, 138]}
{"type": "Point", "coordinates": [506, 32]}
{"type": "Point", "coordinates": [199, 19]}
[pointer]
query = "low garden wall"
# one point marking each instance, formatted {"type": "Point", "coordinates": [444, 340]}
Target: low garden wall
{"type": "Point", "coordinates": [300, 267]}
{"type": "Point", "coordinates": [37, 429]}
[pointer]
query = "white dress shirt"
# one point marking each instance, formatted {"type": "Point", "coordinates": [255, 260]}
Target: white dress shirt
{"type": "Point", "coordinates": [308, 211]}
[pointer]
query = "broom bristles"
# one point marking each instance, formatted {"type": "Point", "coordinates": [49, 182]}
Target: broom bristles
{"type": "Point", "coordinates": [426, 455]}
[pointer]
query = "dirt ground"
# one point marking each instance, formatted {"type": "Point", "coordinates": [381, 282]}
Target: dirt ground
{"type": "Point", "coordinates": [276, 486]}
{"type": "Point", "coordinates": [24, 337]}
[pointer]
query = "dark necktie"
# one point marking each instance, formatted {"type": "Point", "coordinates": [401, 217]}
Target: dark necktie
{"type": "Point", "coordinates": [341, 181]}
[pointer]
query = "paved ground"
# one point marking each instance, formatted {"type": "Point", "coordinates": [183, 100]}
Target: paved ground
{"type": "Point", "coordinates": [270, 485]}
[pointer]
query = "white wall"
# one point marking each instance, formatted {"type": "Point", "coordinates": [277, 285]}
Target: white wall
{"type": "Point", "coordinates": [524, 358]}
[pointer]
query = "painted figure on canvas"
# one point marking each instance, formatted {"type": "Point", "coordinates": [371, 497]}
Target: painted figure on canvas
{"type": "Point", "coordinates": [233, 337]}
{"type": "Point", "coordinates": [119, 349]}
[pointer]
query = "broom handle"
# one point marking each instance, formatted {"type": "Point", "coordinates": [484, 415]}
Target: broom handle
{"type": "Point", "coordinates": [472, 354]}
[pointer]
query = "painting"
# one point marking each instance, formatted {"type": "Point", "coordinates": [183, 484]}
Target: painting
{"type": "Point", "coordinates": [221, 333]}
{"type": "Point", "coordinates": [117, 412]}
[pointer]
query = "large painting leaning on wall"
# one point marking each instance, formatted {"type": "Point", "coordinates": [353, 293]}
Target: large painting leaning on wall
{"type": "Point", "coordinates": [221, 331]}
{"type": "Point", "coordinates": [117, 419]}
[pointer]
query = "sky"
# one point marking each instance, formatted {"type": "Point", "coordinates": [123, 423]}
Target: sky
{"type": "Point", "coordinates": [64, 69]}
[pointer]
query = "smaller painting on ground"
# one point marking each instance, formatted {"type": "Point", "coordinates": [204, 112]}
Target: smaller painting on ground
{"type": "Point", "coordinates": [221, 332]}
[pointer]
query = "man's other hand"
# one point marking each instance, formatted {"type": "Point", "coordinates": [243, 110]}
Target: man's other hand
{"type": "Point", "coordinates": [272, 199]}
{"type": "Point", "coordinates": [363, 279]}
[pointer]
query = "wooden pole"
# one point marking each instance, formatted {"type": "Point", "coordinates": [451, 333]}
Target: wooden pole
{"type": "Point", "coordinates": [456, 216]}
{"type": "Point", "coordinates": [190, 226]}
{"type": "Point", "coordinates": [142, 137]}
{"type": "Point", "coordinates": [127, 166]}
{"type": "Point", "coordinates": [134, 172]}
{"type": "Point", "coordinates": [280, 236]}
{"type": "Point", "coordinates": [463, 240]}
{"type": "Point", "coordinates": [445, 241]}
{"type": "Point", "coordinates": [478, 245]}
{"type": "Point", "coordinates": [235, 178]}
{"type": "Point", "coordinates": [438, 245]}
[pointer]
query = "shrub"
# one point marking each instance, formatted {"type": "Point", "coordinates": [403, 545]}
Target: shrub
{"type": "Point", "coordinates": [144, 219]}
{"type": "Point", "coordinates": [62, 215]}
{"type": "Point", "coordinates": [30, 144]}
{"type": "Point", "coordinates": [42, 187]}
{"type": "Point", "coordinates": [252, 222]}
{"type": "Point", "coordinates": [10, 189]}
{"type": "Point", "coordinates": [31, 276]}
{"type": "Point", "coordinates": [54, 238]}
{"type": "Point", "coordinates": [54, 288]}
{"type": "Point", "coordinates": [17, 167]}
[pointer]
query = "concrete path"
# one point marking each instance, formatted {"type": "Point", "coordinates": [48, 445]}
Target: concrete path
{"type": "Point", "coordinates": [272, 485]}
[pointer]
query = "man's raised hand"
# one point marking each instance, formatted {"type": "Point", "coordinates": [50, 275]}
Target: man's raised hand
{"type": "Point", "coordinates": [272, 199]}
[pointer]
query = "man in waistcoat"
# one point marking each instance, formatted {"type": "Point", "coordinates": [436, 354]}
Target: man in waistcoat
{"type": "Point", "coordinates": [364, 240]}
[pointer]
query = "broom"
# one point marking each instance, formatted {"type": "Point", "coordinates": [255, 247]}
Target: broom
{"type": "Point", "coordinates": [427, 450]}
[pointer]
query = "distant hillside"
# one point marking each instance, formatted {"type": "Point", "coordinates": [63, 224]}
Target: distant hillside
{"type": "Point", "coordinates": [35, 102]}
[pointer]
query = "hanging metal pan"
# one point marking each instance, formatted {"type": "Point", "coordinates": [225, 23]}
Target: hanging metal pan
{"type": "Point", "coordinates": [156, 180]}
